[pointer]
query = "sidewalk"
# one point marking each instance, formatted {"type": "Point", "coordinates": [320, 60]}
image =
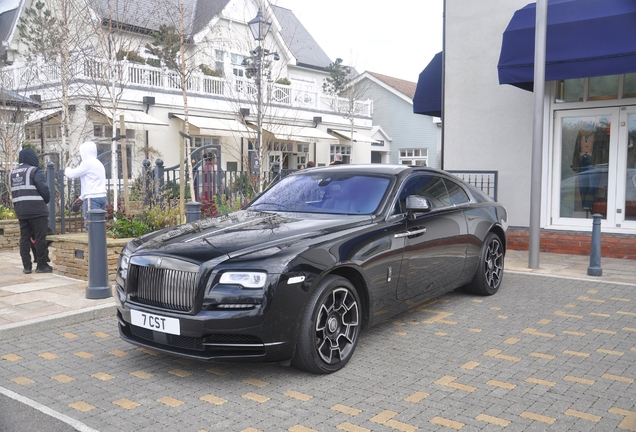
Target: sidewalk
{"type": "Point", "coordinates": [42, 300]}
{"type": "Point", "coordinates": [36, 301]}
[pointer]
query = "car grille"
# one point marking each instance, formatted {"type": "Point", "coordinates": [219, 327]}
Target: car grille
{"type": "Point", "coordinates": [163, 288]}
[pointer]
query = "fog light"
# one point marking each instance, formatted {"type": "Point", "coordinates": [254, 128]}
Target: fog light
{"type": "Point", "coordinates": [235, 306]}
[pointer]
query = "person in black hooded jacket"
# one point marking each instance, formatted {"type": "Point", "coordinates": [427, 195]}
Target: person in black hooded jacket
{"type": "Point", "coordinates": [30, 195]}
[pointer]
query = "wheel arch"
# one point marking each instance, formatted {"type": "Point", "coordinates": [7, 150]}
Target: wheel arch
{"type": "Point", "coordinates": [356, 279]}
{"type": "Point", "coordinates": [499, 232]}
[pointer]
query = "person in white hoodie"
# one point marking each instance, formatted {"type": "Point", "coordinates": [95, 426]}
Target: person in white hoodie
{"type": "Point", "coordinates": [92, 177]}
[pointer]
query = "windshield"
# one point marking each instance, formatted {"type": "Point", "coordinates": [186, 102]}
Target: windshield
{"type": "Point", "coordinates": [341, 193]}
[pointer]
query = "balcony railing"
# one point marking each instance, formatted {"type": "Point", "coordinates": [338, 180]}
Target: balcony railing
{"type": "Point", "coordinates": [138, 75]}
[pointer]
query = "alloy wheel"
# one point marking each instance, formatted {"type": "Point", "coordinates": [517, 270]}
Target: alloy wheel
{"type": "Point", "coordinates": [337, 326]}
{"type": "Point", "coordinates": [493, 265]}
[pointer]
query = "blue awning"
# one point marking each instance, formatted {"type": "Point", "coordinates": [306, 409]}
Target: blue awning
{"type": "Point", "coordinates": [585, 38]}
{"type": "Point", "coordinates": [428, 93]}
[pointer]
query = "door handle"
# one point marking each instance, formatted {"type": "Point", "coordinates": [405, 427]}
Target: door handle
{"type": "Point", "coordinates": [410, 233]}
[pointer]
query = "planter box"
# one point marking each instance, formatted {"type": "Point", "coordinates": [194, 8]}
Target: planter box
{"type": "Point", "coordinates": [69, 255]}
{"type": "Point", "coordinates": [9, 234]}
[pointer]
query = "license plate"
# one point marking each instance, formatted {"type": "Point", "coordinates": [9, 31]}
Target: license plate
{"type": "Point", "coordinates": [155, 322]}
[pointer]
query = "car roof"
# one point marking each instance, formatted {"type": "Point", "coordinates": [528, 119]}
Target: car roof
{"type": "Point", "coordinates": [387, 169]}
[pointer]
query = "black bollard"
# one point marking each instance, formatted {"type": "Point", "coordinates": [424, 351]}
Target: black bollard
{"type": "Point", "coordinates": [98, 287]}
{"type": "Point", "coordinates": [595, 254]}
{"type": "Point", "coordinates": [50, 179]}
{"type": "Point", "coordinates": [193, 211]}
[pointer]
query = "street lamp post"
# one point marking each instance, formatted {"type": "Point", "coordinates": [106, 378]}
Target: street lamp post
{"type": "Point", "coordinates": [259, 27]}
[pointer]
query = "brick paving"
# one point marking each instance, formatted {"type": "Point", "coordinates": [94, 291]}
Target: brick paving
{"type": "Point", "coordinates": [545, 353]}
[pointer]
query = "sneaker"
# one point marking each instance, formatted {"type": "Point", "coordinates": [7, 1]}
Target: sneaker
{"type": "Point", "coordinates": [45, 269]}
{"type": "Point", "coordinates": [26, 271]}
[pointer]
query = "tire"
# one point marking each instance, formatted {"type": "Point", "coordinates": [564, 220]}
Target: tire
{"type": "Point", "coordinates": [329, 327]}
{"type": "Point", "coordinates": [489, 274]}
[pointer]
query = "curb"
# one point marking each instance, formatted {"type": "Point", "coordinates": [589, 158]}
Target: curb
{"type": "Point", "coordinates": [24, 328]}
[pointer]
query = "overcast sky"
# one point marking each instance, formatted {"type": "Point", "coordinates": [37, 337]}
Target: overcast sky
{"type": "Point", "coordinates": [6, 5]}
{"type": "Point", "coordinates": [396, 38]}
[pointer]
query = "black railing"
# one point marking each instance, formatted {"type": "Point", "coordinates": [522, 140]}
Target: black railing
{"type": "Point", "coordinates": [486, 181]}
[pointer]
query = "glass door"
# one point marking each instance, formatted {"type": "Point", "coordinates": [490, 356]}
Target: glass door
{"type": "Point", "coordinates": [626, 183]}
{"type": "Point", "coordinates": [273, 157]}
{"type": "Point", "coordinates": [586, 165]}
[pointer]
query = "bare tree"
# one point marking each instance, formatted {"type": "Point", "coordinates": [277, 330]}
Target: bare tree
{"type": "Point", "coordinates": [120, 31]}
{"type": "Point", "coordinates": [257, 83]}
{"type": "Point", "coordinates": [54, 36]}
{"type": "Point", "coordinates": [13, 108]}
{"type": "Point", "coordinates": [345, 92]}
{"type": "Point", "coordinates": [172, 44]}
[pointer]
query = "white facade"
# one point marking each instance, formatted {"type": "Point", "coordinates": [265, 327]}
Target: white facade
{"type": "Point", "coordinates": [296, 117]}
{"type": "Point", "coordinates": [488, 126]}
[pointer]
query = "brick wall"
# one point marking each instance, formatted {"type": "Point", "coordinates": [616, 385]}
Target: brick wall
{"type": "Point", "coordinates": [575, 242]}
{"type": "Point", "coordinates": [9, 234]}
{"type": "Point", "coordinates": [69, 255]}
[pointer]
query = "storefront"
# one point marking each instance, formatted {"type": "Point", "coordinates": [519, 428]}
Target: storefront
{"type": "Point", "coordinates": [594, 167]}
{"type": "Point", "coordinates": [590, 70]}
{"type": "Point", "coordinates": [486, 76]}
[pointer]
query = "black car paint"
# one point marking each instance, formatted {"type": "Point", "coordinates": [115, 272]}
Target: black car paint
{"type": "Point", "coordinates": [360, 248]}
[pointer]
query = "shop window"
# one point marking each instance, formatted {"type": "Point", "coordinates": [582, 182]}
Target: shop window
{"type": "Point", "coordinates": [33, 133]}
{"type": "Point", "coordinates": [596, 88]}
{"type": "Point", "coordinates": [605, 87]}
{"type": "Point", "coordinates": [104, 131]}
{"type": "Point", "coordinates": [202, 141]}
{"type": "Point", "coordinates": [570, 90]}
{"type": "Point", "coordinates": [103, 148]}
{"type": "Point", "coordinates": [344, 150]}
{"type": "Point", "coordinates": [629, 85]}
{"type": "Point", "coordinates": [585, 149]}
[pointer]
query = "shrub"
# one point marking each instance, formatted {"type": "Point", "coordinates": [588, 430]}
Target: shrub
{"type": "Point", "coordinates": [157, 218]}
{"type": "Point", "coordinates": [208, 208]}
{"type": "Point", "coordinates": [283, 81]}
{"type": "Point", "coordinates": [6, 213]}
{"type": "Point", "coordinates": [131, 56]}
{"type": "Point", "coordinates": [120, 224]}
{"type": "Point", "coordinates": [128, 226]}
{"type": "Point", "coordinates": [207, 70]}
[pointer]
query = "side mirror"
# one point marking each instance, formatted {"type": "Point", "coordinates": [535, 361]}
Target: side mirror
{"type": "Point", "coordinates": [417, 204]}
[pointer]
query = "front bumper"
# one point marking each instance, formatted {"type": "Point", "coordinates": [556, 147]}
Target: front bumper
{"type": "Point", "coordinates": [229, 335]}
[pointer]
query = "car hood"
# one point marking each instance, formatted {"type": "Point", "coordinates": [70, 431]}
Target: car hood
{"type": "Point", "coordinates": [240, 233]}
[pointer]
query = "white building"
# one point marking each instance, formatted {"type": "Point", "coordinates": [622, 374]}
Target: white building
{"type": "Point", "coordinates": [589, 132]}
{"type": "Point", "coordinates": [299, 122]}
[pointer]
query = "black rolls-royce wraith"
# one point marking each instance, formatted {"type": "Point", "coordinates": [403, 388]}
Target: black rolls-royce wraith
{"type": "Point", "coordinates": [317, 257]}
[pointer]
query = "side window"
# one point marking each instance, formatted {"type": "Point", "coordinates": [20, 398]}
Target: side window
{"type": "Point", "coordinates": [430, 187]}
{"type": "Point", "coordinates": [456, 193]}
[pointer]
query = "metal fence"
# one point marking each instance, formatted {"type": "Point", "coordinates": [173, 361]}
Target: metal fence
{"type": "Point", "coordinates": [161, 186]}
{"type": "Point", "coordinates": [486, 181]}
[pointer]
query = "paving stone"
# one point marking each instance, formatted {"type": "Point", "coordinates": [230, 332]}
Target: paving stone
{"type": "Point", "coordinates": [384, 372]}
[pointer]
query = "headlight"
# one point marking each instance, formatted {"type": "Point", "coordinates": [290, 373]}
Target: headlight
{"type": "Point", "coordinates": [245, 279]}
{"type": "Point", "coordinates": [124, 260]}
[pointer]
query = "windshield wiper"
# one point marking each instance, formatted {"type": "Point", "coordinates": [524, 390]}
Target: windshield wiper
{"type": "Point", "coordinates": [277, 206]}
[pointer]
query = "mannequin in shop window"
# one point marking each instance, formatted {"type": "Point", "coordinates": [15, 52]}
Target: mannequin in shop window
{"type": "Point", "coordinates": [591, 154]}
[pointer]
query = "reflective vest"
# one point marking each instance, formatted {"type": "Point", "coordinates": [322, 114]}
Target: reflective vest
{"type": "Point", "coordinates": [27, 201]}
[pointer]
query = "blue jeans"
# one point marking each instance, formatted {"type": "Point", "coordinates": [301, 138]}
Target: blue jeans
{"type": "Point", "coordinates": [93, 204]}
